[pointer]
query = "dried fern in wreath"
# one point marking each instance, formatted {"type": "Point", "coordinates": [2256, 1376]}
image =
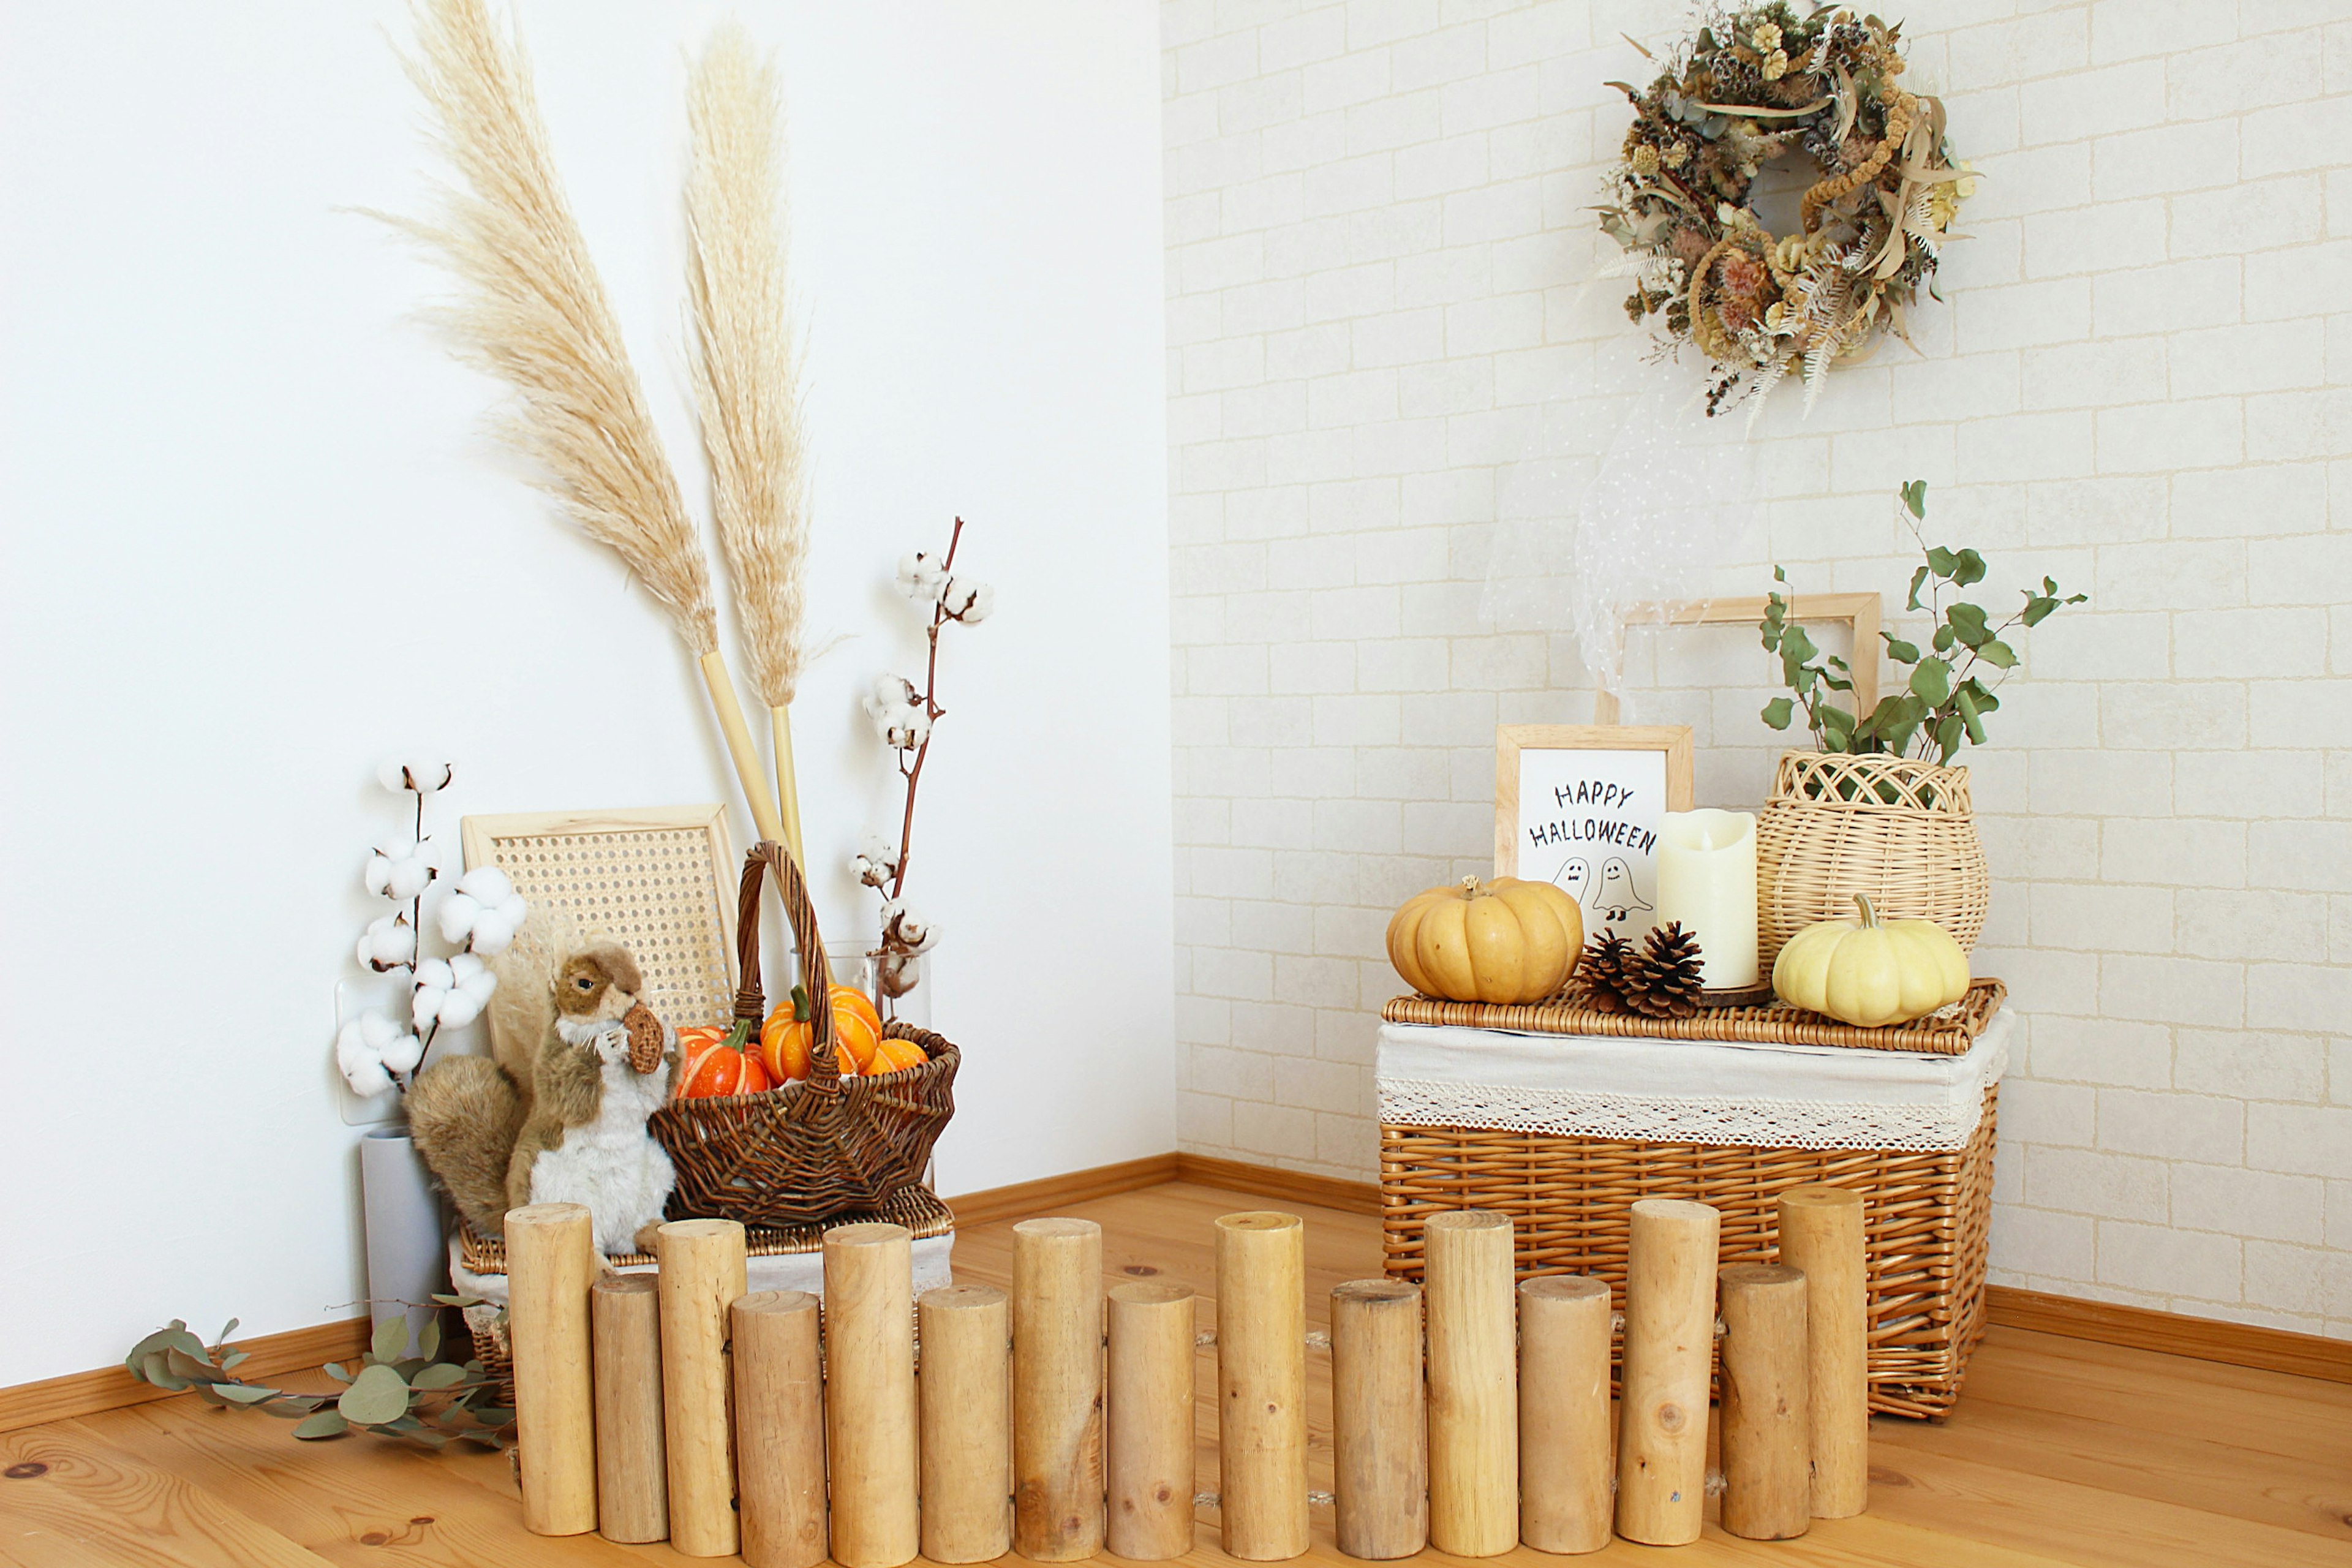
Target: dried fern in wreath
{"type": "Point", "coordinates": [1663, 980]}
{"type": "Point", "coordinates": [418, 1399]}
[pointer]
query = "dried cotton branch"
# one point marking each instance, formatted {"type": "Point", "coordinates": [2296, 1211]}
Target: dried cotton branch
{"type": "Point", "coordinates": [746, 364]}
{"type": "Point", "coordinates": [535, 315]}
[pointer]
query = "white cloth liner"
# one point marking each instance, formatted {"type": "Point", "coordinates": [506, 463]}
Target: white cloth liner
{"type": "Point", "coordinates": [780, 1271]}
{"type": "Point", "coordinates": [1689, 1091]}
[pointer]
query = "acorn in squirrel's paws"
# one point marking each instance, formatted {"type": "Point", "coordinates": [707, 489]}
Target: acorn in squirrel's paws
{"type": "Point", "coordinates": [560, 1117]}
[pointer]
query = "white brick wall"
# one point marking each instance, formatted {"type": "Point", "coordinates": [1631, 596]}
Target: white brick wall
{"type": "Point", "coordinates": [1379, 246]}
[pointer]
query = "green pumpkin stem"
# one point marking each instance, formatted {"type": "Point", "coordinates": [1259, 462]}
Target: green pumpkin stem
{"type": "Point", "coordinates": [1869, 915]}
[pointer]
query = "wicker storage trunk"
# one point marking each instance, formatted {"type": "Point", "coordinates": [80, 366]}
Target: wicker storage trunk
{"type": "Point", "coordinates": [1926, 1217]}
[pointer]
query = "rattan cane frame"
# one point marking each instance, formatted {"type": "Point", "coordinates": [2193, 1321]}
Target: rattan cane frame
{"type": "Point", "coordinates": [1899, 830]}
{"type": "Point", "coordinates": [655, 880]}
{"type": "Point", "coordinates": [1947, 1032]}
{"type": "Point", "coordinates": [820, 1147]}
{"type": "Point", "coordinates": [1928, 1218]}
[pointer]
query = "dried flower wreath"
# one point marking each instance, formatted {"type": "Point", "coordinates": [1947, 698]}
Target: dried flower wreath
{"type": "Point", "coordinates": [1753, 84]}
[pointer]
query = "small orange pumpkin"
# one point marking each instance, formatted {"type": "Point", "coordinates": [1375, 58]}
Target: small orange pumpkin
{"type": "Point", "coordinates": [895, 1054]}
{"type": "Point", "coordinates": [718, 1067]}
{"type": "Point", "coordinates": [787, 1037]}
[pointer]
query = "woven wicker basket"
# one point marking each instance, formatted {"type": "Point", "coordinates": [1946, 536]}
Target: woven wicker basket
{"type": "Point", "coordinates": [820, 1147]}
{"type": "Point", "coordinates": [1898, 830]}
{"type": "Point", "coordinates": [1928, 1214]}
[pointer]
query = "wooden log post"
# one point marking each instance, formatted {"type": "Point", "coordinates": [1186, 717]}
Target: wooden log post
{"type": "Point", "coordinates": [1567, 1462]}
{"type": "Point", "coordinates": [1473, 1415]}
{"type": "Point", "coordinates": [779, 1428]}
{"type": "Point", "coordinates": [702, 1273]}
{"type": "Point", "coordinates": [550, 1262]}
{"type": "Point", "coordinates": [1669, 1336]}
{"type": "Point", "coordinates": [869, 1406]}
{"type": "Point", "coordinates": [632, 1482]}
{"type": "Point", "coordinates": [1822, 1233]}
{"type": "Point", "coordinates": [967, 1423]}
{"type": "Point", "coordinates": [1766, 1480]}
{"type": "Point", "coordinates": [1262, 1384]}
{"type": "Point", "coordinates": [1380, 1428]}
{"type": "Point", "coordinates": [1148, 1432]}
{"type": "Point", "coordinates": [1057, 1390]}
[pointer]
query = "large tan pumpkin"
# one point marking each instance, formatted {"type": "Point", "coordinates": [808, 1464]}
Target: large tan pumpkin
{"type": "Point", "coordinates": [1504, 940]}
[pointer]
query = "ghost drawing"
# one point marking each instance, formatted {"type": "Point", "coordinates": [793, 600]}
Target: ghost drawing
{"type": "Point", "coordinates": [1575, 878]}
{"type": "Point", "coordinates": [1619, 900]}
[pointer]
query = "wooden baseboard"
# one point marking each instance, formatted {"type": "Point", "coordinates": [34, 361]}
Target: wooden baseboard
{"type": "Point", "coordinates": [2175, 1333]}
{"type": "Point", "coordinates": [1296, 1186]}
{"type": "Point", "coordinates": [111, 1388]}
{"type": "Point", "coordinates": [1046, 1194]}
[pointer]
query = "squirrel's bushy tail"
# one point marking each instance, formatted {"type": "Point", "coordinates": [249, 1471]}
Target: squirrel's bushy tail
{"type": "Point", "coordinates": [464, 1114]}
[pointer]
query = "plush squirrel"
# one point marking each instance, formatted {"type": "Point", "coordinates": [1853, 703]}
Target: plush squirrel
{"type": "Point", "coordinates": [559, 1114]}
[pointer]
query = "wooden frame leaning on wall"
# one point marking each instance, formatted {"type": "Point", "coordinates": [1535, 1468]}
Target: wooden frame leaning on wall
{"type": "Point", "coordinates": [1860, 611]}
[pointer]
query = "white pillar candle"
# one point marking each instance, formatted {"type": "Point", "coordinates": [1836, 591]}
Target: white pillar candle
{"type": "Point", "coordinates": [1706, 879]}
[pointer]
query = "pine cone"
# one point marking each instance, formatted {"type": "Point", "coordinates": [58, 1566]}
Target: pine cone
{"type": "Point", "coordinates": [1664, 981]}
{"type": "Point", "coordinates": [1602, 969]}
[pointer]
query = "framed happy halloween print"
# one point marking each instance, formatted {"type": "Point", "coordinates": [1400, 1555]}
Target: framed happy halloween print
{"type": "Point", "coordinates": [1577, 805]}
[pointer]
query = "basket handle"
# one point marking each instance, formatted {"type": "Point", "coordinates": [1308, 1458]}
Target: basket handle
{"type": "Point", "coordinates": [750, 1002]}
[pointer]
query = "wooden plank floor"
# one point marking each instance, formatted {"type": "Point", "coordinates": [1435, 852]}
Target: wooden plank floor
{"type": "Point", "coordinates": [2062, 1451]}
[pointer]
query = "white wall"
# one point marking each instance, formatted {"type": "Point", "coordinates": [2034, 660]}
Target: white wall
{"type": "Point", "coordinates": [231, 467]}
{"type": "Point", "coordinates": [1383, 314]}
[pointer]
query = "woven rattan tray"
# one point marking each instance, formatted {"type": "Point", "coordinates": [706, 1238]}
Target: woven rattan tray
{"type": "Point", "coordinates": [1950, 1032]}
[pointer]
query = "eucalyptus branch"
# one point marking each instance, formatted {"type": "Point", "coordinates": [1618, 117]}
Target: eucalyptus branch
{"type": "Point", "coordinates": [1947, 694]}
{"type": "Point", "coordinates": [419, 1399]}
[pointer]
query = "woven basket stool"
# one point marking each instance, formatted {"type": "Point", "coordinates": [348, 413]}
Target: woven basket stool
{"type": "Point", "coordinates": [1927, 1209]}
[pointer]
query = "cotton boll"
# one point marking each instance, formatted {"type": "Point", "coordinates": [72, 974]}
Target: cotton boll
{"type": "Point", "coordinates": [879, 851]}
{"type": "Point", "coordinates": [406, 879]}
{"type": "Point", "coordinates": [389, 943]}
{"type": "Point", "coordinates": [459, 1008]}
{"type": "Point", "coordinates": [901, 920]}
{"type": "Point", "coordinates": [463, 968]}
{"type": "Point", "coordinates": [359, 1060]}
{"type": "Point", "coordinates": [458, 913]}
{"type": "Point", "coordinates": [427, 1004]}
{"type": "Point", "coordinates": [368, 1079]}
{"type": "Point", "coordinates": [920, 577]}
{"type": "Point", "coordinates": [968, 601]}
{"type": "Point", "coordinates": [351, 1048]}
{"type": "Point", "coordinates": [493, 930]}
{"type": "Point", "coordinates": [379, 875]}
{"type": "Point", "coordinates": [486, 884]}
{"type": "Point", "coordinates": [403, 1054]}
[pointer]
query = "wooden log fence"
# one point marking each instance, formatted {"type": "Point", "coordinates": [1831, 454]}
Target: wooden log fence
{"type": "Point", "coordinates": [1469, 1415]}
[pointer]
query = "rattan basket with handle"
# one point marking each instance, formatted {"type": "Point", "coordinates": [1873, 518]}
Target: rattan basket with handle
{"type": "Point", "coordinates": [1899, 830]}
{"type": "Point", "coordinates": [820, 1147]}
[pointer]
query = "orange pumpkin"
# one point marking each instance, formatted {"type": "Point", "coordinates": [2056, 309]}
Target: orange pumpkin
{"type": "Point", "coordinates": [896, 1055]}
{"type": "Point", "coordinates": [787, 1037]}
{"type": "Point", "coordinates": [721, 1066]}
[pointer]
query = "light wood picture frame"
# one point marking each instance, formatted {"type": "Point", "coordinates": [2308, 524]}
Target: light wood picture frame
{"type": "Point", "coordinates": [660, 880]}
{"type": "Point", "coordinates": [1577, 805]}
{"type": "Point", "coordinates": [1860, 611]}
